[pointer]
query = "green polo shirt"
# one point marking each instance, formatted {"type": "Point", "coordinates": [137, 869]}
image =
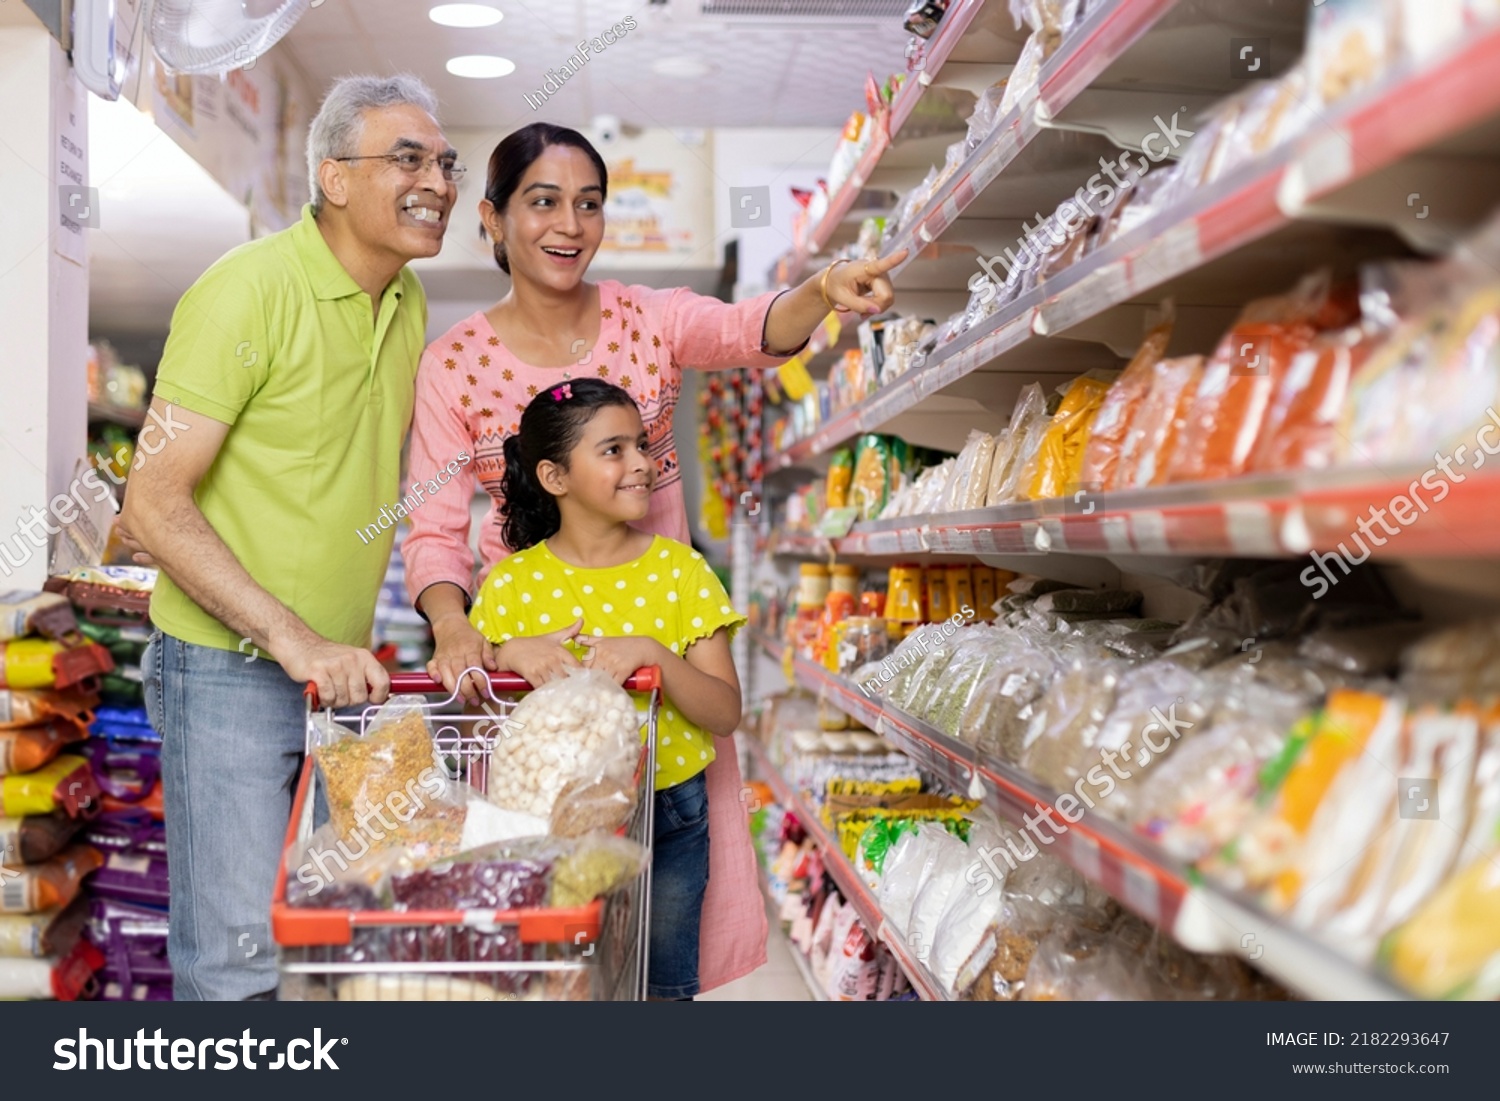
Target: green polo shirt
{"type": "Point", "coordinates": [279, 342]}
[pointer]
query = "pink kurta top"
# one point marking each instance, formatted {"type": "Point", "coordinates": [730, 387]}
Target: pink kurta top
{"type": "Point", "coordinates": [470, 394]}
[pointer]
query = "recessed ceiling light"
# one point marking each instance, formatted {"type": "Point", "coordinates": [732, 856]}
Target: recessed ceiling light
{"type": "Point", "coordinates": [465, 15]}
{"type": "Point", "coordinates": [685, 68]}
{"type": "Point", "coordinates": [481, 66]}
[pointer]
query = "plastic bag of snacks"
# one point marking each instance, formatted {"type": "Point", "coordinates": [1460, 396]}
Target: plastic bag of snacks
{"type": "Point", "coordinates": [1451, 947]}
{"type": "Point", "coordinates": [1028, 423]}
{"type": "Point", "coordinates": [1111, 425]}
{"type": "Point", "coordinates": [1229, 406]}
{"type": "Point", "coordinates": [593, 866]}
{"type": "Point", "coordinates": [391, 762]}
{"type": "Point", "coordinates": [66, 785]}
{"type": "Point", "coordinates": [1153, 433]}
{"type": "Point", "coordinates": [27, 748]}
{"type": "Point", "coordinates": [46, 614]}
{"type": "Point", "coordinates": [31, 887]}
{"type": "Point", "coordinates": [1081, 960]}
{"type": "Point", "coordinates": [969, 484]}
{"type": "Point", "coordinates": [577, 728]}
{"type": "Point", "coordinates": [1059, 458]}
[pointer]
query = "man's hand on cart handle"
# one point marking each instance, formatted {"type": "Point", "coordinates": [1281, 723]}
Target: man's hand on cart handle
{"type": "Point", "coordinates": [458, 646]}
{"type": "Point", "coordinates": [344, 676]}
{"type": "Point", "coordinates": [540, 658]}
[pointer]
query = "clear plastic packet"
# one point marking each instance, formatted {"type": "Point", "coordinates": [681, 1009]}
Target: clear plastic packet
{"type": "Point", "coordinates": [1147, 197]}
{"type": "Point", "coordinates": [906, 868]}
{"type": "Point", "coordinates": [1063, 751]}
{"type": "Point", "coordinates": [1157, 707]}
{"type": "Point", "coordinates": [1350, 43]}
{"type": "Point", "coordinates": [985, 116]}
{"type": "Point", "coordinates": [334, 870]}
{"type": "Point", "coordinates": [1120, 406]}
{"type": "Point", "coordinates": [1080, 962]}
{"type": "Point", "coordinates": [974, 907]}
{"type": "Point", "coordinates": [944, 876]}
{"type": "Point", "coordinates": [390, 762]}
{"type": "Point", "coordinates": [513, 875]}
{"type": "Point", "coordinates": [593, 866]}
{"type": "Point", "coordinates": [1028, 424]}
{"type": "Point", "coordinates": [581, 727]}
{"type": "Point", "coordinates": [969, 484]}
{"type": "Point", "coordinates": [1225, 419]}
{"type": "Point", "coordinates": [1451, 947]}
{"type": "Point", "coordinates": [1301, 425]}
{"type": "Point", "coordinates": [1152, 436]}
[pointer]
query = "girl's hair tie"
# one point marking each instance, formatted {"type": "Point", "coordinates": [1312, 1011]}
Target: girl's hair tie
{"type": "Point", "coordinates": [563, 392]}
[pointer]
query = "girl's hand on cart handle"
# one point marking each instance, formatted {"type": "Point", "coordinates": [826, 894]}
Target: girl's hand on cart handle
{"type": "Point", "coordinates": [458, 647]}
{"type": "Point", "coordinates": [621, 657]}
{"type": "Point", "coordinates": [344, 675]}
{"type": "Point", "coordinates": [540, 658]}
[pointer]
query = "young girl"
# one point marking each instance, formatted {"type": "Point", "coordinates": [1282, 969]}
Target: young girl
{"type": "Point", "coordinates": [591, 589]}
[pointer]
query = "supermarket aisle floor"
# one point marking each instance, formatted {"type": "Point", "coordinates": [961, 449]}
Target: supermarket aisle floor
{"type": "Point", "coordinates": [778, 981]}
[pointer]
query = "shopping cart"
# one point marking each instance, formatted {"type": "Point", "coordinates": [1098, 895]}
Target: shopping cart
{"type": "Point", "coordinates": [594, 952]}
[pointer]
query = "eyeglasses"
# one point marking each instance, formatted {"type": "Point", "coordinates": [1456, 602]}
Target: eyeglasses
{"type": "Point", "coordinates": [414, 164]}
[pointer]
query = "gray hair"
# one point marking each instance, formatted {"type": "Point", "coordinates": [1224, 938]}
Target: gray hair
{"type": "Point", "coordinates": [340, 122]}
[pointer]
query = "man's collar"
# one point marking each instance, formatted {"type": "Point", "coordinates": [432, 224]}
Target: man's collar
{"type": "Point", "coordinates": [330, 279]}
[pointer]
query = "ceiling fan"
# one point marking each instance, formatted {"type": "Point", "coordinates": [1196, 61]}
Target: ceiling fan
{"type": "Point", "coordinates": [190, 36]}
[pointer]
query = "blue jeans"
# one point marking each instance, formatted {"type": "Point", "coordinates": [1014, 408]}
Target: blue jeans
{"type": "Point", "coordinates": [233, 733]}
{"type": "Point", "coordinates": [679, 876]}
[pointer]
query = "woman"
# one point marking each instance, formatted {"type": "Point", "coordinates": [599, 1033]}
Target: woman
{"type": "Point", "coordinates": [544, 211]}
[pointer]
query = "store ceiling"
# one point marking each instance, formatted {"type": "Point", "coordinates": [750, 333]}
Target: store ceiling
{"type": "Point", "coordinates": [764, 71]}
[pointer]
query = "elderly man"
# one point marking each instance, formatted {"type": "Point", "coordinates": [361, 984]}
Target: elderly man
{"type": "Point", "coordinates": [291, 363]}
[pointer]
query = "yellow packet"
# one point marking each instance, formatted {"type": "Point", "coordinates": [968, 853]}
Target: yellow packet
{"type": "Point", "coordinates": [1059, 459]}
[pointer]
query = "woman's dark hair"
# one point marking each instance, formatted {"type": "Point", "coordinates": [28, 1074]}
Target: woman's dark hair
{"type": "Point", "coordinates": [550, 429]}
{"type": "Point", "coordinates": [517, 152]}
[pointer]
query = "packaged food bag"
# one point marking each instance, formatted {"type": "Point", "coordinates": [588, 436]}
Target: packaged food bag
{"type": "Point", "coordinates": [1451, 947]}
{"type": "Point", "coordinates": [27, 707]}
{"type": "Point", "coordinates": [580, 730]}
{"type": "Point", "coordinates": [37, 837]}
{"type": "Point", "coordinates": [1059, 458]}
{"type": "Point", "coordinates": [46, 614]}
{"type": "Point", "coordinates": [45, 933]}
{"type": "Point", "coordinates": [66, 785]}
{"type": "Point", "coordinates": [27, 748]}
{"type": "Point", "coordinates": [391, 763]}
{"type": "Point", "coordinates": [1152, 437]}
{"type": "Point", "coordinates": [33, 887]}
{"type": "Point", "coordinates": [594, 866]}
{"type": "Point", "coordinates": [1118, 410]}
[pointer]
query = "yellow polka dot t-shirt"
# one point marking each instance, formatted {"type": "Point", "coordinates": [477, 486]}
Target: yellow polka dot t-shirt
{"type": "Point", "coordinates": [669, 594]}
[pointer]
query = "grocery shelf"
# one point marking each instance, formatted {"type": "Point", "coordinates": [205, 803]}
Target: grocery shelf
{"type": "Point", "coordinates": [1255, 516]}
{"type": "Point", "coordinates": [1416, 129]}
{"type": "Point", "coordinates": [814, 991]}
{"type": "Point", "coordinates": [850, 885]}
{"type": "Point", "coordinates": [1133, 870]}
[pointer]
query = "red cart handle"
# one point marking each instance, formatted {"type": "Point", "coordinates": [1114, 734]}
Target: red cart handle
{"type": "Point", "coordinates": [645, 679]}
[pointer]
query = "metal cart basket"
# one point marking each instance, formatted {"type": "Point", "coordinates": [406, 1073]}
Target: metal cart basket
{"type": "Point", "coordinates": [593, 952]}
